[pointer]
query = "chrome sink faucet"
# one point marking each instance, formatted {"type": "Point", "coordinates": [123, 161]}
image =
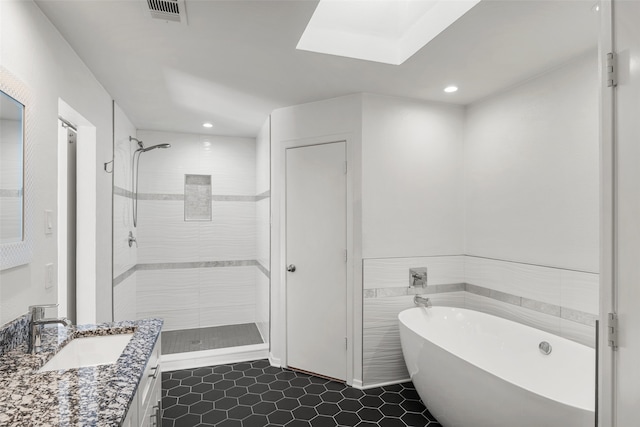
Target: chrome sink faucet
{"type": "Point", "coordinates": [37, 321]}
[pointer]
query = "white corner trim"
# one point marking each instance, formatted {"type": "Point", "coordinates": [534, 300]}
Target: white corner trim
{"type": "Point", "coordinates": [196, 359]}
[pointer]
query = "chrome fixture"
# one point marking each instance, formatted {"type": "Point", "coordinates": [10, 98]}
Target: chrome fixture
{"type": "Point", "coordinates": [418, 277]}
{"type": "Point", "coordinates": [545, 348]}
{"type": "Point", "coordinates": [422, 301]}
{"type": "Point", "coordinates": [132, 239]}
{"type": "Point", "coordinates": [37, 321]}
{"type": "Point", "coordinates": [134, 174]}
{"type": "Point", "coordinates": [291, 268]}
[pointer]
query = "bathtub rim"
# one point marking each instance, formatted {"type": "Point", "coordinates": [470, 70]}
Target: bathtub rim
{"type": "Point", "coordinates": [402, 319]}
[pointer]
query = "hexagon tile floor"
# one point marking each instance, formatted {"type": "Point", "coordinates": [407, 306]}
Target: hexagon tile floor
{"type": "Point", "coordinates": [255, 394]}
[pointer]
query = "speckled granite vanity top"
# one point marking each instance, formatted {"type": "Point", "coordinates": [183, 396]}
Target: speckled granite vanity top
{"type": "Point", "coordinates": [89, 396]}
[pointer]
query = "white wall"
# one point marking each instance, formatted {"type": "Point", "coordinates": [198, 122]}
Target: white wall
{"type": "Point", "coordinates": [531, 171]}
{"type": "Point", "coordinates": [412, 201]}
{"type": "Point", "coordinates": [332, 120]}
{"type": "Point", "coordinates": [34, 50]}
{"type": "Point", "coordinates": [530, 194]}
{"type": "Point", "coordinates": [412, 206]}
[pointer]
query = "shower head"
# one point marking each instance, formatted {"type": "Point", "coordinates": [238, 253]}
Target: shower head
{"type": "Point", "coordinates": [153, 147]}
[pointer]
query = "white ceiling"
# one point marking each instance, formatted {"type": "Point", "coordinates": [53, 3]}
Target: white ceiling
{"type": "Point", "coordinates": [236, 61]}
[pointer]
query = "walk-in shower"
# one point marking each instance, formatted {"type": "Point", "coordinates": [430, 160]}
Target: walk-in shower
{"type": "Point", "coordinates": [135, 161]}
{"type": "Point", "coordinates": [200, 260]}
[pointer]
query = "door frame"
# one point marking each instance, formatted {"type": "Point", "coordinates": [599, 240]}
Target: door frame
{"type": "Point", "coordinates": [278, 351]}
{"type": "Point", "coordinates": [288, 261]}
{"type": "Point", "coordinates": [606, 360]}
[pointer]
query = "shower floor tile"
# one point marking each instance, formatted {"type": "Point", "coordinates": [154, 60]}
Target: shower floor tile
{"type": "Point", "coordinates": [187, 340]}
{"type": "Point", "coordinates": [255, 394]}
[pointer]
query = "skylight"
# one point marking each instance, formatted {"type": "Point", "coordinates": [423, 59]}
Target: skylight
{"type": "Point", "coordinates": [388, 31]}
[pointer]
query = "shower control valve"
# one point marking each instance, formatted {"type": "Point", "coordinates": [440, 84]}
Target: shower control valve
{"type": "Point", "coordinates": [132, 239]}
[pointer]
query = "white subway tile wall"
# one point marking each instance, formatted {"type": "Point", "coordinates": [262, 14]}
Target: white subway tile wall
{"type": "Point", "coordinates": [191, 274]}
{"type": "Point", "coordinates": [563, 302]}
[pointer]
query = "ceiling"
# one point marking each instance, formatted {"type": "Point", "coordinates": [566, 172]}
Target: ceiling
{"type": "Point", "coordinates": [235, 61]}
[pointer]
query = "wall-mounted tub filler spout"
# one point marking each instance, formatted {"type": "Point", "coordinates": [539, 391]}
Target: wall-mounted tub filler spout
{"type": "Point", "coordinates": [37, 321]}
{"type": "Point", "coordinates": [422, 301]}
{"type": "Point", "coordinates": [418, 277]}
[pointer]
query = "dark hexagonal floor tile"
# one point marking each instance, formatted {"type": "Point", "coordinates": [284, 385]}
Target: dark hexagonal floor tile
{"type": "Point", "coordinates": [239, 412]}
{"type": "Point", "coordinates": [414, 420]}
{"type": "Point", "coordinates": [317, 389]}
{"type": "Point", "coordinates": [294, 392]}
{"type": "Point", "coordinates": [175, 411]}
{"type": "Point", "coordinates": [272, 396]}
{"type": "Point", "coordinates": [255, 394]}
{"type": "Point", "coordinates": [323, 421]}
{"type": "Point", "coordinates": [347, 418]}
{"type": "Point", "coordinates": [327, 408]}
{"type": "Point", "coordinates": [370, 414]}
{"type": "Point", "coordinates": [201, 407]}
{"type": "Point", "coordinates": [331, 396]}
{"type": "Point", "coordinates": [287, 404]}
{"type": "Point", "coordinates": [392, 410]}
{"type": "Point", "coordinates": [187, 420]}
{"type": "Point", "coordinates": [304, 413]}
{"type": "Point", "coordinates": [249, 399]}
{"type": "Point", "coordinates": [226, 403]}
{"type": "Point", "coordinates": [352, 405]}
{"type": "Point", "coordinates": [264, 408]}
{"type": "Point", "coordinates": [255, 421]}
{"type": "Point", "coordinates": [213, 417]}
{"type": "Point", "coordinates": [412, 406]}
{"type": "Point", "coordinates": [189, 399]}
{"type": "Point", "coordinates": [236, 391]}
{"type": "Point", "coordinates": [180, 390]}
{"type": "Point", "coordinates": [310, 400]}
{"type": "Point", "coordinates": [280, 417]}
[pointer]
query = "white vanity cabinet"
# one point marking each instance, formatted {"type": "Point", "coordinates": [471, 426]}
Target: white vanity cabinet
{"type": "Point", "coordinates": [146, 409]}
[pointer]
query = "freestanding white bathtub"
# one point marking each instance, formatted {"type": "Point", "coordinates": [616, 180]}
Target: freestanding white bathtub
{"type": "Point", "coordinates": [472, 369]}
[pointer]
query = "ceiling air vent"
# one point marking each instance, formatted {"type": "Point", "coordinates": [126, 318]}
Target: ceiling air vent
{"type": "Point", "coordinates": [168, 10]}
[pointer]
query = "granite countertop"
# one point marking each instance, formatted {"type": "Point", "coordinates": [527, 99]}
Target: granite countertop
{"type": "Point", "coordinates": [90, 396]}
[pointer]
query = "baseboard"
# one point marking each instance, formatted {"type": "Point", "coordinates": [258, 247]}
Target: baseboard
{"type": "Point", "coordinates": [359, 385]}
{"type": "Point", "coordinates": [196, 359]}
{"type": "Point", "coordinates": [275, 361]}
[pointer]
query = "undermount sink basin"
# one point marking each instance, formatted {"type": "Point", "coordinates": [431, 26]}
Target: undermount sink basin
{"type": "Point", "coordinates": [88, 351]}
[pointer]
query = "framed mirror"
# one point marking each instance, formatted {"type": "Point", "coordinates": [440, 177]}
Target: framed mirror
{"type": "Point", "coordinates": [15, 179]}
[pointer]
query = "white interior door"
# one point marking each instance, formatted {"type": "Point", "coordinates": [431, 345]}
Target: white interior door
{"type": "Point", "coordinates": [626, 21]}
{"type": "Point", "coordinates": [316, 245]}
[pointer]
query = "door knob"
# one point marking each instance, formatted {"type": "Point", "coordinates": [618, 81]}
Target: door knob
{"type": "Point", "coordinates": [291, 268]}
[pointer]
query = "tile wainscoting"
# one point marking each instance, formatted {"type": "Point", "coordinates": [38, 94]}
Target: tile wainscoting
{"type": "Point", "coordinates": [563, 302]}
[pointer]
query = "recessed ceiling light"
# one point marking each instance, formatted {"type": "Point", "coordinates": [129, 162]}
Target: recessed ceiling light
{"type": "Point", "coordinates": [207, 125]}
{"type": "Point", "coordinates": [595, 8]}
{"type": "Point", "coordinates": [451, 89]}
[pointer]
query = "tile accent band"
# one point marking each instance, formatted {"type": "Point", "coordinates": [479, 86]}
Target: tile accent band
{"type": "Point", "coordinates": [119, 191]}
{"type": "Point", "coordinates": [539, 306]}
{"type": "Point", "coordinates": [10, 193]}
{"type": "Point", "coordinates": [195, 264]}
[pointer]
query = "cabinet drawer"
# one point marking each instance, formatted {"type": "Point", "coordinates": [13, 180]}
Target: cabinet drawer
{"type": "Point", "coordinates": [151, 376]}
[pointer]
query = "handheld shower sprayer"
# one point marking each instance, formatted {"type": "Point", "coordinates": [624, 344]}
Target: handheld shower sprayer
{"type": "Point", "coordinates": [134, 172]}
